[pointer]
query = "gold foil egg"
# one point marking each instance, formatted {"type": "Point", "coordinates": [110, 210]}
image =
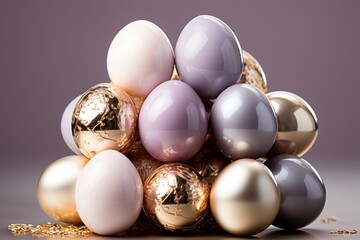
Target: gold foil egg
{"type": "Point", "coordinates": [253, 73]}
{"type": "Point", "coordinates": [297, 121]}
{"type": "Point", "coordinates": [104, 118]}
{"type": "Point", "coordinates": [176, 197]}
{"type": "Point", "coordinates": [56, 188]}
{"type": "Point", "coordinates": [144, 163]}
{"type": "Point", "coordinates": [138, 102]}
{"type": "Point", "coordinates": [175, 75]}
{"type": "Point", "coordinates": [208, 162]}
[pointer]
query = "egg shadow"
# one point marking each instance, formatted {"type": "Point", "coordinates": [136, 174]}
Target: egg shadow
{"type": "Point", "coordinates": [289, 234]}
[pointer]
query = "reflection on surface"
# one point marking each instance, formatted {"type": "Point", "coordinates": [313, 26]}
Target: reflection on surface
{"type": "Point", "coordinates": [210, 234]}
{"type": "Point", "coordinates": [284, 234]}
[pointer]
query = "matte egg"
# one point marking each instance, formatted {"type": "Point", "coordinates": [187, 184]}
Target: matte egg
{"type": "Point", "coordinates": [303, 192]}
{"type": "Point", "coordinates": [208, 56]}
{"type": "Point", "coordinates": [173, 122]}
{"type": "Point", "coordinates": [109, 193]}
{"type": "Point", "coordinates": [66, 129]}
{"type": "Point", "coordinates": [243, 122]}
{"type": "Point", "coordinates": [140, 57]}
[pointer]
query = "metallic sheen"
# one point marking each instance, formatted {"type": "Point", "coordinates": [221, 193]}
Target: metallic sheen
{"type": "Point", "coordinates": [208, 162]}
{"type": "Point", "coordinates": [144, 163]}
{"type": "Point", "coordinates": [175, 75]}
{"type": "Point", "coordinates": [303, 192]}
{"type": "Point", "coordinates": [253, 73]}
{"type": "Point", "coordinates": [104, 118]}
{"type": "Point", "coordinates": [208, 56]}
{"type": "Point", "coordinates": [56, 188]}
{"type": "Point", "coordinates": [297, 121]}
{"type": "Point", "coordinates": [176, 197]}
{"type": "Point", "coordinates": [243, 122]}
{"type": "Point", "coordinates": [245, 198]}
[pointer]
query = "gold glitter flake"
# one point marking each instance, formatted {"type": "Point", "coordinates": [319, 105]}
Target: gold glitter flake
{"type": "Point", "coordinates": [49, 230]}
{"type": "Point", "coordinates": [329, 219]}
{"type": "Point", "coordinates": [344, 232]}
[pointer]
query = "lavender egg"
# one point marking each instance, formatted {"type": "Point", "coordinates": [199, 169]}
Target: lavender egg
{"type": "Point", "coordinates": [243, 122]}
{"type": "Point", "coordinates": [173, 122]}
{"type": "Point", "coordinates": [208, 56]}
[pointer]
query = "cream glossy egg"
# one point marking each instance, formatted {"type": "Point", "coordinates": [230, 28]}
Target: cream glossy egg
{"type": "Point", "coordinates": [140, 57]}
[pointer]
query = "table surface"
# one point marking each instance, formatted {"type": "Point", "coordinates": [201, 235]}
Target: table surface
{"type": "Point", "coordinates": [18, 205]}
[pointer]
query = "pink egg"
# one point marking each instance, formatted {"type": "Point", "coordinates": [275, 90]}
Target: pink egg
{"type": "Point", "coordinates": [109, 193]}
{"type": "Point", "coordinates": [140, 57]}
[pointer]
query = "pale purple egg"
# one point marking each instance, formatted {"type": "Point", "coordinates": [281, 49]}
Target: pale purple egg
{"type": "Point", "coordinates": [243, 122]}
{"type": "Point", "coordinates": [208, 56]}
{"type": "Point", "coordinates": [173, 122]}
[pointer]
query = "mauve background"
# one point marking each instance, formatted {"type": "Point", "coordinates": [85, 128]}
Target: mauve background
{"type": "Point", "coordinates": [51, 51]}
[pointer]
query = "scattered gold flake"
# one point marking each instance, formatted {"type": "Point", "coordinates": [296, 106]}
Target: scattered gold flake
{"type": "Point", "coordinates": [49, 230]}
{"type": "Point", "coordinates": [329, 219]}
{"type": "Point", "coordinates": [344, 232]}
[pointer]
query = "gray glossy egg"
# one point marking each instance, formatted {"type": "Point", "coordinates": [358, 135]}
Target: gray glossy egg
{"type": "Point", "coordinates": [208, 56]}
{"type": "Point", "coordinates": [302, 190]}
{"type": "Point", "coordinates": [243, 122]}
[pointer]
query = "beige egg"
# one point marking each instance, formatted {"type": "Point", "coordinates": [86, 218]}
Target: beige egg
{"type": "Point", "coordinates": [56, 188]}
{"type": "Point", "coordinates": [297, 122]}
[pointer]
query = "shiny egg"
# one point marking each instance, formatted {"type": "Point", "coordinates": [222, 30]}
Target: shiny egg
{"type": "Point", "coordinates": [208, 56]}
{"type": "Point", "coordinates": [140, 57]}
{"type": "Point", "coordinates": [173, 122]}
{"type": "Point", "coordinates": [109, 193]}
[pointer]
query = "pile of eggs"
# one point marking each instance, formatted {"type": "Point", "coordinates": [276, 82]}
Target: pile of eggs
{"type": "Point", "coordinates": [184, 134]}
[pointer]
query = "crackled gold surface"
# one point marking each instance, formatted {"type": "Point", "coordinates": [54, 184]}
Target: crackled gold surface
{"type": "Point", "coordinates": [253, 73]}
{"type": "Point", "coordinates": [208, 162]}
{"type": "Point", "coordinates": [176, 197]}
{"type": "Point", "coordinates": [104, 118]}
{"type": "Point", "coordinates": [144, 163]}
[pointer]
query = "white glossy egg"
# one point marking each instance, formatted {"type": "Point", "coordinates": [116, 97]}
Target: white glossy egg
{"type": "Point", "coordinates": [109, 193]}
{"type": "Point", "coordinates": [66, 131]}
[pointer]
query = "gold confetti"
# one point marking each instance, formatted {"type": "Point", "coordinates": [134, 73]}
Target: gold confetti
{"type": "Point", "coordinates": [329, 219]}
{"type": "Point", "coordinates": [344, 232]}
{"type": "Point", "coordinates": [49, 230]}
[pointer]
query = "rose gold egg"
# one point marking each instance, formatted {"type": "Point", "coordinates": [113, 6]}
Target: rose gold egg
{"type": "Point", "coordinates": [176, 196]}
{"type": "Point", "coordinates": [144, 163]}
{"type": "Point", "coordinates": [253, 73]}
{"type": "Point", "coordinates": [208, 162]}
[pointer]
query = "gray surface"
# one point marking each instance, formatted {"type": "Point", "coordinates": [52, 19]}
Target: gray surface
{"type": "Point", "coordinates": [19, 204]}
{"type": "Point", "coordinates": [51, 51]}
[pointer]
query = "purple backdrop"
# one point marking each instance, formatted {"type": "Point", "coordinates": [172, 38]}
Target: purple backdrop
{"type": "Point", "coordinates": [51, 51]}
